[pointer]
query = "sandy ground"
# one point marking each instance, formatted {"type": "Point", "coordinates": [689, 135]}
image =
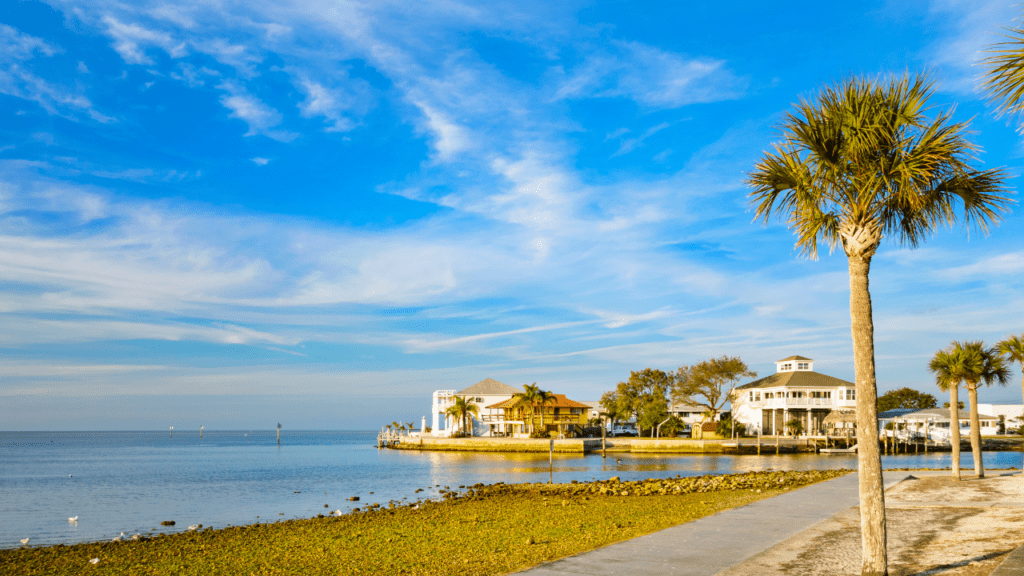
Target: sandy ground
{"type": "Point", "coordinates": [935, 526]}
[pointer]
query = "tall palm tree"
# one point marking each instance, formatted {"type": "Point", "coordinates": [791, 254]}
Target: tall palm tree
{"type": "Point", "coordinates": [860, 162]}
{"type": "Point", "coordinates": [1013, 349]}
{"type": "Point", "coordinates": [461, 408]}
{"type": "Point", "coordinates": [948, 367]}
{"type": "Point", "coordinates": [527, 398]}
{"type": "Point", "coordinates": [982, 366]}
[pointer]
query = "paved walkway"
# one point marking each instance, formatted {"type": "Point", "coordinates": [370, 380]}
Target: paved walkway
{"type": "Point", "coordinates": [756, 539]}
{"type": "Point", "coordinates": [713, 543]}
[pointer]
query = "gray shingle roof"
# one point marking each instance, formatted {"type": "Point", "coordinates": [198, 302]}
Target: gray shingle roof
{"type": "Point", "coordinates": [799, 378]}
{"type": "Point", "coordinates": [488, 387]}
{"type": "Point", "coordinates": [794, 358]}
{"type": "Point", "coordinates": [941, 413]}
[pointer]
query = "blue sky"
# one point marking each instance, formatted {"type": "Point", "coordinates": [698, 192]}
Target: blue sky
{"type": "Point", "coordinates": [238, 213]}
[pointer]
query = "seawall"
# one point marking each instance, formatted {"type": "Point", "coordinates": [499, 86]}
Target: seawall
{"type": "Point", "coordinates": [571, 446]}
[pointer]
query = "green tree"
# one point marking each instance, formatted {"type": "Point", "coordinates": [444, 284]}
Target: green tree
{"type": "Point", "coordinates": [643, 396]}
{"type": "Point", "coordinates": [709, 384]}
{"type": "Point", "coordinates": [959, 404]}
{"type": "Point", "coordinates": [860, 162]}
{"type": "Point", "coordinates": [1012, 348]}
{"type": "Point", "coordinates": [460, 409]}
{"type": "Point", "coordinates": [906, 398]}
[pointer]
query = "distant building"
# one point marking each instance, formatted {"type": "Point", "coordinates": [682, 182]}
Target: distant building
{"type": "Point", "coordinates": [691, 414]}
{"type": "Point", "coordinates": [484, 393]}
{"type": "Point", "coordinates": [794, 392]}
{"type": "Point", "coordinates": [936, 423]}
{"type": "Point", "coordinates": [562, 416]}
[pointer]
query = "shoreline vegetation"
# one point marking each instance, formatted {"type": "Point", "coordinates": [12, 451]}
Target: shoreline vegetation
{"type": "Point", "coordinates": [481, 529]}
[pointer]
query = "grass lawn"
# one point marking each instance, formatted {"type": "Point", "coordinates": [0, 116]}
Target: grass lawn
{"type": "Point", "coordinates": [492, 529]}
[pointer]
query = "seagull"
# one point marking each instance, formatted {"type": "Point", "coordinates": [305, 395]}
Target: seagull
{"type": "Point", "coordinates": [69, 475]}
{"type": "Point", "coordinates": [136, 536]}
{"type": "Point", "coordinates": [24, 541]}
{"type": "Point", "coordinates": [73, 519]}
{"type": "Point", "coordinates": [337, 512]}
{"type": "Point", "coordinates": [193, 527]}
{"type": "Point", "coordinates": [94, 561]}
{"type": "Point", "coordinates": [116, 539]}
{"type": "Point", "coordinates": [416, 507]}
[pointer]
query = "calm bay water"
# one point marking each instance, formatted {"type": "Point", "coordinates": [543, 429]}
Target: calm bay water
{"type": "Point", "coordinates": [131, 481]}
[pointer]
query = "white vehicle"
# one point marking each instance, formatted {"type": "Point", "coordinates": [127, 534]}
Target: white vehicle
{"type": "Point", "coordinates": [624, 431]}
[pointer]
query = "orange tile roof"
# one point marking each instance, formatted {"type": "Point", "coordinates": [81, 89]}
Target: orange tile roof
{"type": "Point", "coordinates": [560, 402]}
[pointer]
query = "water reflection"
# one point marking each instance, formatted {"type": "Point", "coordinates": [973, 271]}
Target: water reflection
{"type": "Point", "coordinates": [131, 481]}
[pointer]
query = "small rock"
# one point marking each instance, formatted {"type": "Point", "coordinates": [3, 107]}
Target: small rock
{"type": "Point", "coordinates": [164, 523]}
{"type": "Point", "coordinates": [355, 498]}
{"type": "Point", "coordinates": [530, 541]}
{"type": "Point", "coordinates": [326, 506]}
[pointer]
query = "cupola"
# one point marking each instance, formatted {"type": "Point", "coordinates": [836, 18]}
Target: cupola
{"type": "Point", "coordinates": [794, 364]}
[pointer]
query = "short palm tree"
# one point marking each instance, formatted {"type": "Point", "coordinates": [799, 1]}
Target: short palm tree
{"type": "Point", "coordinates": [526, 399]}
{"type": "Point", "coordinates": [860, 162]}
{"type": "Point", "coordinates": [981, 366]}
{"type": "Point", "coordinates": [1012, 349]}
{"type": "Point", "coordinates": [948, 367]}
{"type": "Point", "coordinates": [543, 397]}
{"type": "Point", "coordinates": [461, 408]}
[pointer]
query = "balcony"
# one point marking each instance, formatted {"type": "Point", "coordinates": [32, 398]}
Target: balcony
{"type": "Point", "coordinates": [771, 403]}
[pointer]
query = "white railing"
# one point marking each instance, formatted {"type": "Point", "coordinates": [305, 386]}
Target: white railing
{"type": "Point", "coordinates": [784, 402]}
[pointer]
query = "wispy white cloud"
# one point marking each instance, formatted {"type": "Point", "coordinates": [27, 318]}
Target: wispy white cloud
{"type": "Point", "coordinates": [630, 144]}
{"type": "Point", "coordinates": [261, 118]}
{"type": "Point", "coordinates": [16, 48]}
{"type": "Point", "coordinates": [651, 76]}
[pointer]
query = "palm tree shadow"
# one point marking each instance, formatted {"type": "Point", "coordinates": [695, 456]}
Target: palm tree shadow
{"type": "Point", "coordinates": [960, 564]}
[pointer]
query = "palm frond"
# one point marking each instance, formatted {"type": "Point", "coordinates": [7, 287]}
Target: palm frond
{"type": "Point", "coordinates": [1004, 79]}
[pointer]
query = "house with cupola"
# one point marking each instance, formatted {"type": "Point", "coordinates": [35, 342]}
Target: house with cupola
{"type": "Point", "coordinates": [794, 392]}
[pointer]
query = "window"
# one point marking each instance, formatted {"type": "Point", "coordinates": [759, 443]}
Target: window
{"type": "Point", "coordinates": [803, 366]}
{"type": "Point", "coordinates": [757, 396]}
{"type": "Point", "coordinates": [787, 366]}
{"type": "Point", "coordinates": [850, 394]}
{"type": "Point", "coordinates": [478, 400]}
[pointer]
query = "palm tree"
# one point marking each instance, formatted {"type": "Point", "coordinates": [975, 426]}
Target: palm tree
{"type": "Point", "coordinates": [543, 397]}
{"type": "Point", "coordinates": [1004, 80]}
{"type": "Point", "coordinates": [410, 426]}
{"type": "Point", "coordinates": [1013, 349]}
{"type": "Point", "coordinates": [460, 408]}
{"type": "Point", "coordinates": [948, 367]}
{"type": "Point", "coordinates": [982, 366]}
{"type": "Point", "coordinates": [527, 398]}
{"type": "Point", "coordinates": [858, 163]}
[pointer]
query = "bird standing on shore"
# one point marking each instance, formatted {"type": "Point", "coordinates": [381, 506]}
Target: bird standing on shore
{"type": "Point", "coordinates": [73, 519]}
{"type": "Point", "coordinates": [24, 541]}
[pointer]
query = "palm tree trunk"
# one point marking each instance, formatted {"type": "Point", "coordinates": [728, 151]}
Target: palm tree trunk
{"type": "Point", "coordinates": [954, 427]}
{"type": "Point", "coordinates": [874, 561]}
{"type": "Point", "coordinates": [972, 395]}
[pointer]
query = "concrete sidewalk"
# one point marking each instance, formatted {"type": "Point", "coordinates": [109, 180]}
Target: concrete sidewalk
{"type": "Point", "coordinates": [711, 544]}
{"type": "Point", "coordinates": [934, 526]}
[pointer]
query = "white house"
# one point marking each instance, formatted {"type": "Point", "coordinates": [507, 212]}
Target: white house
{"type": "Point", "coordinates": [486, 392]}
{"type": "Point", "coordinates": [1013, 414]}
{"type": "Point", "coordinates": [794, 392]}
{"type": "Point", "coordinates": [934, 422]}
{"type": "Point", "coordinates": [690, 414]}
